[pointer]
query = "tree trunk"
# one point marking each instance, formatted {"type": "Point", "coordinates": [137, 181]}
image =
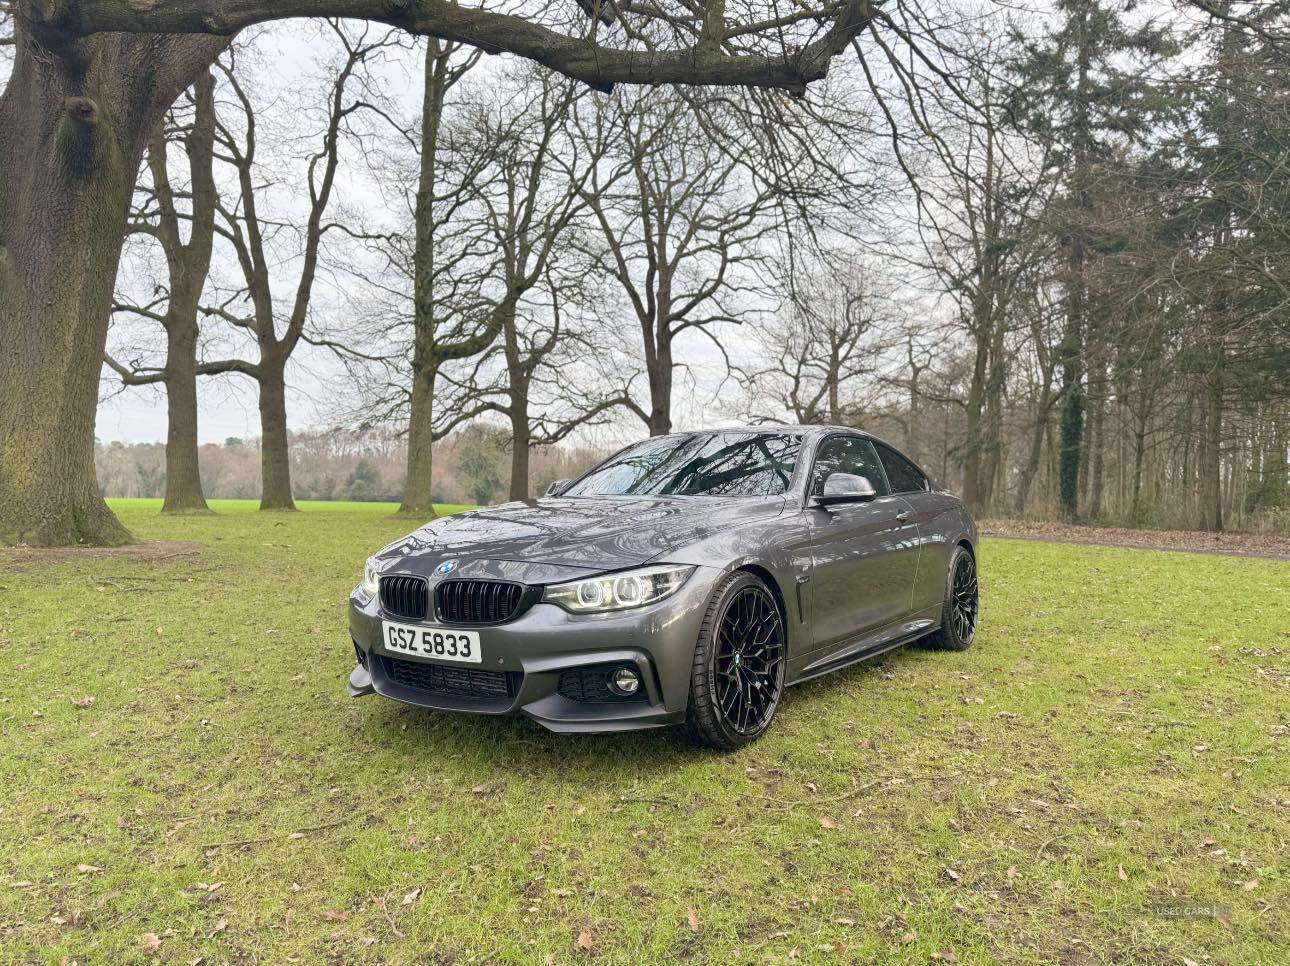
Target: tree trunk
{"type": "Point", "coordinates": [971, 451]}
{"type": "Point", "coordinates": [74, 119]}
{"type": "Point", "coordinates": [1072, 432]}
{"type": "Point", "coordinates": [417, 487]}
{"type": "Point", "coordinates": [189, 266]}
{"type": "Point", "coordinates": [1036, 453]}
{"type": "Point", "coordinates": [992, 433]}
{"type": "Point", "coordinates": [520, 446]}
{"type": "Point", "coordinates": [660, 389]}
{"type": "Point", "coordinates": [1139, 456]}
{"type": "Point", "coordinates": [183, 474]}
{"type": "Point", "coordinates": [1211, 490]}
{"type": "Point", "coordinates": [831, 383]}
{"type": "Point", "coordinates": [1096, 444]}
{"type": "Point", "coordinates": [275, 455]}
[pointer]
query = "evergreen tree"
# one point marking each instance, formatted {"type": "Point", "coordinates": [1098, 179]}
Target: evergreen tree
{"type": "Point", "coordinates": [1084, 89]}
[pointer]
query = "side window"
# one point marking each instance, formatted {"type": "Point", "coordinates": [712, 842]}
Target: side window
{"type": "Point", "coordinates": [847, 454]}
{"type": "Point", "coordinates": [905, 477]}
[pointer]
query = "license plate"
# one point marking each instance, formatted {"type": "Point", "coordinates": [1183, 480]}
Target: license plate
{"type": "Point", "coordinates": [431, 643]}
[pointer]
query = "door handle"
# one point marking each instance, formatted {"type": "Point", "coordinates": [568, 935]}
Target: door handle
{"type": "Point", "coordinates": [903, 515]}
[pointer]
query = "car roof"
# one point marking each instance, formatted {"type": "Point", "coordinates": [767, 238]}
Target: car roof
{"type": "Point", "coordinates": [783, 429]}
{"type": "Point", "coordinates": [802, 430]}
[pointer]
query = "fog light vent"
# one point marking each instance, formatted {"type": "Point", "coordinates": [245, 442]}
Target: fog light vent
{"type": "Point", "coordinates": [602, 684]}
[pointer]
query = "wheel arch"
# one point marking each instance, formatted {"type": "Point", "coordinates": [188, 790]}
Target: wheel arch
{"type": "Point", "coordinates": [768, 578]}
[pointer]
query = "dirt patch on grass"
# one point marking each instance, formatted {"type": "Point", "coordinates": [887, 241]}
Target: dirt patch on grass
{"type": "Point", "coordinates": [23, 558]}
{"type": "Point", "coordinates": [1268, 546]}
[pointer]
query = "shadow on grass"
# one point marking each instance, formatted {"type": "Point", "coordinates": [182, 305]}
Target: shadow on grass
{"type": "Point", "coordinates": [497, 747]}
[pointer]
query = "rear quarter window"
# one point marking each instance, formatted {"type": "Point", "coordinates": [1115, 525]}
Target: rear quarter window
{"type": "Point", "coordinates": [903, 475]}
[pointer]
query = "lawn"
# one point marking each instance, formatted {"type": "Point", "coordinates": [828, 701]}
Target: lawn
{"type": "Point", "coordinates": [1102, 772]}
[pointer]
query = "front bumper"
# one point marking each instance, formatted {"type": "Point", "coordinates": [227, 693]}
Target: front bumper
{"type": "Point", "coordinates": [532, 652]}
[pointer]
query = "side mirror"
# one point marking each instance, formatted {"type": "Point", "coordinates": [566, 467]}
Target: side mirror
{"type": "Point", "coordinates": [556, 488]}
{"type": "Point", "coordinates": [845, 488]}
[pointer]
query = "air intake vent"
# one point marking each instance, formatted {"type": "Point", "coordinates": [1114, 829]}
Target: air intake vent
{"type": "Point", "coordinates": [461, 682]}
{"type": "Point", "coordinates": [590, 685]}
{"type": "Point", "coordinates": [478, 601]}
{"type": "Point", "coordinates": [405, 597]}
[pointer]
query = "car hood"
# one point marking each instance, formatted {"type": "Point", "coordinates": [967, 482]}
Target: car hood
{"type": "Point", "coordinates": [586, 534]}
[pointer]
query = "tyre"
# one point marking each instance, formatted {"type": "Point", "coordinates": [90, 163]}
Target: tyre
{"type": "Point", "coordinates": [739, 664]}
{"type": "Point", "coordinates": [962, 604]}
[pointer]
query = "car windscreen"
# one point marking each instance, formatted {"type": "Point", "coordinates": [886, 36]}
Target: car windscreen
{"type": "Point", "coordinates": [700, 464]}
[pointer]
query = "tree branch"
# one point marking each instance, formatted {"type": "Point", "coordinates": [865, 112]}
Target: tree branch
{"type": "Point", "coordinates": [579, 57]}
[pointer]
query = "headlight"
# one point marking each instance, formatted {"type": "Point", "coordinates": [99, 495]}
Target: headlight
{"type": "Point", "coordinates": [371, 585]}
{"type": "Point", "coordinates": [631, 588]}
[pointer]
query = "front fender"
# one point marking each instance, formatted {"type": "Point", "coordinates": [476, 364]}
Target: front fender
{"type": "Point", "coordinates": [779, 551]}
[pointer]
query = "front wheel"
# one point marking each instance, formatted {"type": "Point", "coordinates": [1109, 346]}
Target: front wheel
{"type": "Point", "coordinates": [739, 664]}
{"type": "Point", "coordinates": [962, 603]}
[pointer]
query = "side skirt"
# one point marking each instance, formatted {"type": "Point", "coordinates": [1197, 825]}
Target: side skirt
{"type": "Point", "coordinates": [865, 648]}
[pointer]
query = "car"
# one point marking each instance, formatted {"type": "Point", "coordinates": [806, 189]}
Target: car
{"type": "Point", "coordinates": [686, 580]}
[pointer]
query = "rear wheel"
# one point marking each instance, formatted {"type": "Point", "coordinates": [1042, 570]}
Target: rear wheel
{"type": "Point", "coordinates": [739, 664]}
{"type": "Point", "coordinates": [962, 604]}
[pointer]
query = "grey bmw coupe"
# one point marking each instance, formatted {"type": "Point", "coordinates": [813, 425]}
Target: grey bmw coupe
{"type": "Point", "coordinates": [688, 579]}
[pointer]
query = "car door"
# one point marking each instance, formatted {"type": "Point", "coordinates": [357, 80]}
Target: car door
{"type": "Point", "coordinates": [935, 515]}
{"type": "Point", "coordinates": [864, 554]}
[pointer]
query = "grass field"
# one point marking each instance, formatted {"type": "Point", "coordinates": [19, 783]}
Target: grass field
{"type": "Point", "coordinates": [1110, 755]}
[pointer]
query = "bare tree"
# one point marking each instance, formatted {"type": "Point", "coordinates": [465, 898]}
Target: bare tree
{"type": "Point", "coordinates": [176, 304]}
{"type": "Point", "coordinates": [253, 308]}
{"type": "Point", "coordinates": [529, 195]}
{"type": "Point", "coordinates": [818, 346]}
{"type": "Point", "coordinates": [976, 208]}
{"type": "Point", "coordinates": [498, 181]}
{"type": "Point", "coordinates": [678, 227]}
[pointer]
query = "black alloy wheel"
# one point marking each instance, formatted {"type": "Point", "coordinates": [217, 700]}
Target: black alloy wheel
{"type": "Point", "coordinates": [739, 664]}
{"type": "Point", "coordinates": [962, 604]}
{"type": "Point", "coordinates": [964, 590]}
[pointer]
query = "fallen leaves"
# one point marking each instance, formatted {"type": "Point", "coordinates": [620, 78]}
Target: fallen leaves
{"type": "Point", "coordinates": [85, 702]}
{"type": "Point", "coordinates": [151, 943]}
{"type": "Point", "coordinates": [335, 915]}
{"type": "Point", "coordinates": [692, 918]}
{"type": "Point", "coordinates": [88, 869]}
{"type": "Point", "coordinates": [1243, 544]}
{"type": "Point", "coordinates": [585, 942]}
{"type": "Point", "coordinates": [952, 874]}
{"type": "Point", "coordinates": [411, 897]}
{"type": "Point", "coordinates": [826, 822]}
{"type": "Point", "coordinates": [486, 789]}
{"type": "Point", "coordinates": [1121, 874]}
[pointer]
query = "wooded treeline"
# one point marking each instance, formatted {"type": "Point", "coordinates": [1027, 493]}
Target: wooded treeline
{"type": "Point", "coordinates": [471, 467]}
{"type": "Point", "coordinates": [1047, 255]}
